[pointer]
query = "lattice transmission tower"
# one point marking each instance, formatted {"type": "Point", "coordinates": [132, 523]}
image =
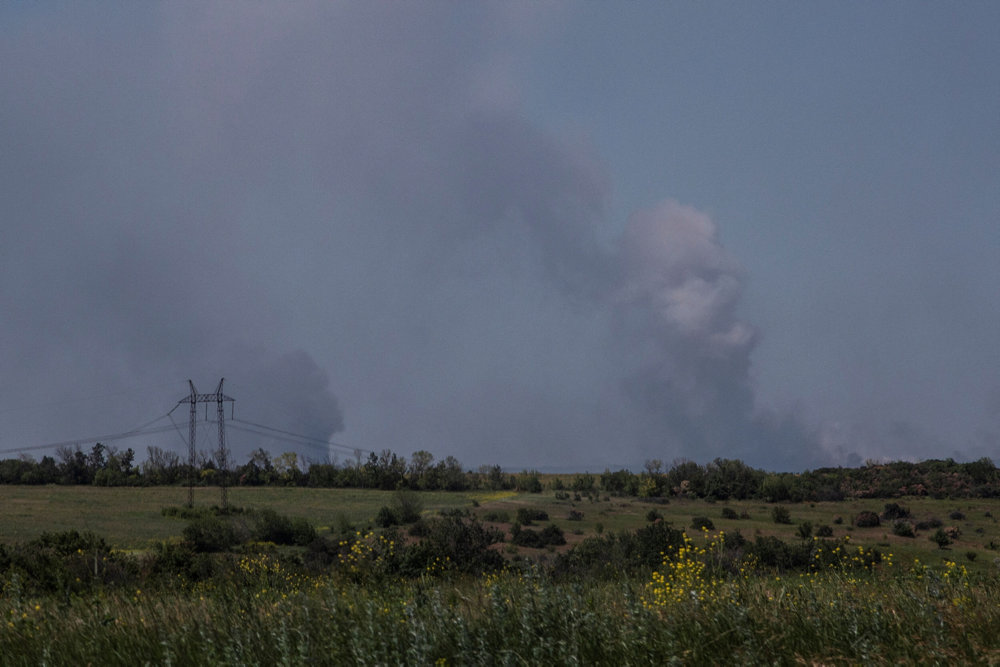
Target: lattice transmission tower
{"type": "Point", "coordinates": [194, 398]}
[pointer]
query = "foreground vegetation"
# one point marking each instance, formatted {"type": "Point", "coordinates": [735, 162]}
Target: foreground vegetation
{"type": "Point", "coordinates": [693, 608]}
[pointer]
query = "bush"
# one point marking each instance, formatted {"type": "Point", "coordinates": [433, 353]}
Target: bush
{"type": "Point", "coordinates": [780, 514]}
{"type": "Point", "coordinates": [957, 515]}
{"type": "Point", "coordinates": [903, 529]}
{"type": "Point", "coordinates": [420, 528]}
{"type": "Point", "coordinates": [386, 517]}
{"type": "Point", "coordinates": [893, 511]}
{"type": "Point", "coordinates": [611, 554]}
{"type": "Point", "coordinates": [824, 531]}
{"type": "Point", "coordinates": [525, 515]}
{"type": "Point", "coordinates": [66, 562]}
{"type": "Point", "coordinates": [575, 515]}
{"type": "Point", "coordinates": [702, 523]}
{"type": "Point", "coordinates": [653, 515]}
{"type": "Point", "coordinates": [805, 530]}
{"type": "Point", "coordinates": [550, 535]}
{"type": "Point", "coordinates": [406, 505]}
{"type": "Point", "coordinates": [269, 526]}
{"type": "Point", "coordinates": [69, 542]}
{"type": "Point", "coordinates": [929, 524]}
{"type": "Point", "coordinates": [867, 519]}
{"type": "Point", "coordinates": [940, 538]}
{"type": "Point", "coordinates": [211, 533]}
{"type": "Point", "coordinates": [497, 516]}
{"type": "Point", "coordinates": [464, 543]}
{"type": "Point", "coordinates": [553, 535]}
{"type": "Point", "coordinates": [729, 513]}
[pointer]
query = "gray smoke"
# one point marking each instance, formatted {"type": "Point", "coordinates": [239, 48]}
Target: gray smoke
{"type": "Point", "coordinates": [346, 198]}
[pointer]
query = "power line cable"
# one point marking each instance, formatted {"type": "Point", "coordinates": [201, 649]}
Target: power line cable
{"type": "Point", "coordinates": [81, 441]}
{"type": "Point", "coordinates": [304, 437]}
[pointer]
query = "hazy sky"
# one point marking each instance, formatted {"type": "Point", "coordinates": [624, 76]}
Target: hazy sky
{"type": "Point", "coordinates": [568, 235]}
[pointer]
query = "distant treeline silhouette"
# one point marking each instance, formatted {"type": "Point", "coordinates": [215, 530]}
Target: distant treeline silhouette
{"type": "Point", "coordinates": [721, 479]}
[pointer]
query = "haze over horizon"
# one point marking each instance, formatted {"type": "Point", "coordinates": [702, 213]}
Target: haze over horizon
{"type": "Point", "coordinates": [534, 234]}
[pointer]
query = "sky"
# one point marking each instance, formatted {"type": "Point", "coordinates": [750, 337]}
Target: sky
{"type": "Point", "coordinates": [562, 236]}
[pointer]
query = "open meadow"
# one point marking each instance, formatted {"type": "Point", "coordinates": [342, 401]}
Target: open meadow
{"type": "Point", "coordinates": [132, 518]}
{"type": "Point", "coordinates": [636, 581]}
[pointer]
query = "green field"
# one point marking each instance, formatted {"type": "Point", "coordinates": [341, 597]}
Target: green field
{"type": "Point", "coordinates": [131, 518]}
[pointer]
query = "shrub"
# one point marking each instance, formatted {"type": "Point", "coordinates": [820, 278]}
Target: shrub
{"type": "Point", "coordinates": [528, 481]}
{"type": "Point", "coordinates": [610, 555]}
{"type": "Point", "coordinates": [553, 535]}
{"type": "Point", "coordinates": [929, 524]}
{"type": "Point", "coordinates": [69, 542]}
{"type": "Point", "coordinates": [406, 506]}
{"type": "Point", "coordinates": [957, 515]}
{"type": "Point", "coordinates": [867, 519]}
{"type": "Point", "coordinates": [525, 515]}
{"type": "Point", "coordinates": [385, 517]}
{"type": "Point", "coordinates": [575, 515]}
{"type": "Point", "coordinates": [805, 530]}
{"type": "Point", "coordinates": [269, 526]}
{"type": "Point", "coordinates": [210, 534]}
{"type": "Point", "coordinates": [702, 523]}
{"type": "Point", "coordinates": [550, 535]}
{"type": "Point", "coordinates": [824, 531]}
{"type": "Point", "coordinates": [497, 516]}
{"type": "Point", "coordinates": [464, 543]}
{"type": "Point", "coordinates": [780, 514]}
{"type": "Point", "coordinates": [971, 555]}
{"type": "Point", "coordinates": [940, 538]}
{"type": "Point", "coordinates": [419, 529]}
{"type": "Point", "coordinates": [653, 515]}
{"type": "Point", "coordinates": [902, 529]}
{"type": "Point", "coordinates": [729, 513]}
{"type": "Point", "coordinates": [584, 483]}
{"type": "Point", "coordinates": [894, 511]}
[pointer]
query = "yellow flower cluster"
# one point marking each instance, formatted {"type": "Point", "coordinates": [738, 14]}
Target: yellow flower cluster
{"type": "Point", "coordinates": [365, 552]}
{"type": "Point", "coordinates": [269, 574]}
{"type": "Point", "coordinates": [439, 565]}
{"type": "Point", "coordinates": [682, 579]}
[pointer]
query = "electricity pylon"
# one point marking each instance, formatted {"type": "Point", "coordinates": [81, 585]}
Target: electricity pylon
{"type": "Point", "coordinates": [223, 454]}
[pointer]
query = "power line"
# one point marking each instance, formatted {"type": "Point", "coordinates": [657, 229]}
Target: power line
{"type": "Point", "coordinates": [100, 438]}
{"type": "Point", "coordinates": [318, 441]}
{"type": "Point", "coordinates": [239, 424]}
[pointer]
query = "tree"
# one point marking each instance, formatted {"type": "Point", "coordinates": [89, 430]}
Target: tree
{"type": "Point", "coordinates": [286, 465]}
{"type": "Point", "coordinates": [420, 464]}
{"type": "Point", "coordinates": [161, 466]}
{"type": "Point", "coordinates": [940, 538]}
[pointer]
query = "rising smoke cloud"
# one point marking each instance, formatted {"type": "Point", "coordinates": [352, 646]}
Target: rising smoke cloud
{"type": "Point", "coordinates": [328, 202]}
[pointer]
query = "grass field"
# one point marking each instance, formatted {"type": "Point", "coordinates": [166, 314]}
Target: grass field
{"type": "Point", "coordinates": [260, 605]}
{"type": "Point", "coordinates": [131, 518]}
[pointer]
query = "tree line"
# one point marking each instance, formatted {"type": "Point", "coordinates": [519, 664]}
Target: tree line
{"type": "Point", "coordinates": [721, 479]}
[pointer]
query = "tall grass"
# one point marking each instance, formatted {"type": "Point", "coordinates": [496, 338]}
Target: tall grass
{"type": "Point", "coordinates": [268, 616]}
